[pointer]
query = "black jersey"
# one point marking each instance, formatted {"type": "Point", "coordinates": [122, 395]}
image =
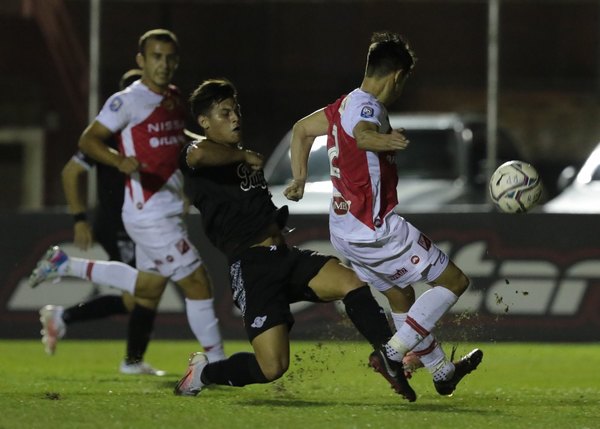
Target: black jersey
{"type": "Point", "coordinates": [234, 201]}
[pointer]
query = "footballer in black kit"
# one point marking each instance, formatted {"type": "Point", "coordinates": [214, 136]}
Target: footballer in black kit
{"type": "Point", "coordinates": [237, 213]}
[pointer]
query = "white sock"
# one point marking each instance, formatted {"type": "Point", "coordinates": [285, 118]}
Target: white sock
{"type": "Point", "coordinates": [107, 273]}
{"type": "Point", "coordinates": [424, 314]}
{"type": "Point", "coordinates": [205, 326]}
{"type": "Point", "coordinates": [443, 371]}
{"type": "Point", "coordinates": [421, 318]}
{"type": "Point", "coordinates": [429, 352]}
{"type": "Point", "coordinates": [434, 359]}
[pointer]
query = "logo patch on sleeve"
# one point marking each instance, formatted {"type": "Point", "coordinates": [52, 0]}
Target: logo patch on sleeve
{"type": "Point", "coordinates": [116, 104]}
{"type": "Point", "coordinates": [366, 112]}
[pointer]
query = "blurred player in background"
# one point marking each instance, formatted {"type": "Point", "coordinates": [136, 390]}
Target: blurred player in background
{"type": "Point", "coordinates": [226, 183]}
{"type": "Point", "coordinates": [109, 232]}
{"type": "Point", "coordinates": [148, 119]}
{"type": "Point", "coordinates": [384, 249]}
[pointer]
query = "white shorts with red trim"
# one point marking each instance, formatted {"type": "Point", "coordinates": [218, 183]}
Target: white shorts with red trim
{"type": "Point", "coordinates": [163, 246]}
{"type": "Point", "coordinates": [405, 257]}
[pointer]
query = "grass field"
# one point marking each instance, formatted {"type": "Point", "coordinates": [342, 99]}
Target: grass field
{"type": "Point", "coordinates": [328, 386]}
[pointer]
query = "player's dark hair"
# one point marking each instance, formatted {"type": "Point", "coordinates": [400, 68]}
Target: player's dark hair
{"type": "Point", "coordinates": [159, 34]}
{"type": "Point", "coordinates": [129, 77]}
{"type": "Point", "coordinates": [209, 93]}
{"type": "Point", "coordinates": [389, 52]}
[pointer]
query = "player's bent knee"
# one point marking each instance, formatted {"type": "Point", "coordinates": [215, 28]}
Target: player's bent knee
{"type": "Point", "coordinates": [460, 283]}
{"type": "Point", "coordinates": [274, 370]}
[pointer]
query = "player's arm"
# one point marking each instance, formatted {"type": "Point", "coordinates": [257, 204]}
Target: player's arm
{"type": "Point", "coordinates": [93, 143]}
{"type": "Point", "coordinates": [367, 137]}
{"type": "Point", "coordinates": [71, 179]}
{"type": "Point", "coordinates": [303, 136]}
{"type": "Point", "coordinates": [210, 154]}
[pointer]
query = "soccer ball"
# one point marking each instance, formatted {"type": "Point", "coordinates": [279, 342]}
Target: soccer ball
{"type": "Point", "coordinates": [515, 187]}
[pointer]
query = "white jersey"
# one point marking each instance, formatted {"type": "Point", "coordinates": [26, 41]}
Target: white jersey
{"type": "Point", "coordinates": [150, 127]}
{"type": "Point", "coordinates": [364, 182]}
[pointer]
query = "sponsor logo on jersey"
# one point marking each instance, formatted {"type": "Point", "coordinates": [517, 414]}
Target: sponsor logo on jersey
{"type": "Point", "coordinates": [166, 140]}
{"type": "Point", "coordinates": [250, 178]}
{"type": "Point", "coordinates": [340, 205]}
{"type": "Point", "coordinates": [259, 322]}
{"type": "Point", "coordinates": [183, 246]}
{"type": "Point", "coordinates": [172, 125]}
{"type": "Point", "coordinates": [415, 259]}
{"type": "Point", "coordinates": [367, 112]}
{"type": "Point", "coordinates": [399, 273]}
{"type": "Point", "coordinates": [115, 104]}
{"type": "Point", "coordinates": [170, 258]}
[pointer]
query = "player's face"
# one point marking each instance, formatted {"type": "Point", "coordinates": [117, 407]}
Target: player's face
{"type": "Point", "coordinates": [158, 64]}
{"type": "Point", "coordinates": [223, 124]}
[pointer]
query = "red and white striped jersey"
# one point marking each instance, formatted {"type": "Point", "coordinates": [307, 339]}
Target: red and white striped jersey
{"type": "Point", "coordinates": [364, 182]}
{"type": "Point", "coordinates": [150, 127]}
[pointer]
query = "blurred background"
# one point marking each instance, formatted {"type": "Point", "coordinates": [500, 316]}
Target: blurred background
{"type": "Point", "coordinates": [288, 57]}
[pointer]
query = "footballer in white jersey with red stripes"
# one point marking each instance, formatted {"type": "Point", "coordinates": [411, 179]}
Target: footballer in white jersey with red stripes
{"type": "Point", "coordinates": [383, 248]}
{"type": "Point", "coordinates": [148, 119]}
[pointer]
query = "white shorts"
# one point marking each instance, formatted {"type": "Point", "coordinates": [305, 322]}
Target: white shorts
{"type": "Point", "coordinates": [405, 257]}
{"type": "Point", "coordinates": [163, 246]}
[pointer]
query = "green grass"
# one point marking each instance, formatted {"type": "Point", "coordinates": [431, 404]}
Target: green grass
{"type": "Point", "coordinates": [328, 386]}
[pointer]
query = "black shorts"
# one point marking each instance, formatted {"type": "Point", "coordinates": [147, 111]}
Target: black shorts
{"type": "Point", "coordinates": [266, 280]}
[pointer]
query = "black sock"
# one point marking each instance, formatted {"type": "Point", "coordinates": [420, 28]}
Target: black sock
{"type": "Point", "coordinates": [97, 308]}
{"type": "Point", "coordinates": [141, 325]}
{"type": "Point", "coordinates": [367, 316]}
{"type": "Point", "coordinates": [238, 370]}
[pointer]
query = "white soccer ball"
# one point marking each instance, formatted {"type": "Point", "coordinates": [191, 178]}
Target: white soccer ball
{"type": "Point", "coordinates": [515, 187]}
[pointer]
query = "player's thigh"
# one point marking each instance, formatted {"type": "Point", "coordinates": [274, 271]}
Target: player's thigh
{"type": "Point", "coordinates": [149, 285]}
{"type": "Point", "coordinates": [272, 350]}
{"type": "Point", "coordinates": [334, 280]}
{"type": "Point", "coordinates": [453, 279]}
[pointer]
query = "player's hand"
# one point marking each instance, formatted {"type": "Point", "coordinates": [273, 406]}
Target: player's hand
{"type": "Point", "coordinates": [254, 159]}
{"type": "Point", "coordinates": [129, 165]}
{"type": "Point", "coordinates": [295, 190]}
{"type": "Point", "coordinates": [82, 237]}
{"type": "Point", "coordinates": [397, 140]}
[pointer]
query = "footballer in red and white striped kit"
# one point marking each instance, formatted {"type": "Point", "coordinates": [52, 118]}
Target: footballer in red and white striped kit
{"type": "Point", "coordinates": [384, 249]}
{"type": "Point", "coordinates": [148, 119]}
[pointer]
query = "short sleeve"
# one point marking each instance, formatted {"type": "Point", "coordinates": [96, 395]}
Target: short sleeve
{"type": "Point", "coordinates": [115, 113]}
{"type": "Point", "coordinates": [360, 108]}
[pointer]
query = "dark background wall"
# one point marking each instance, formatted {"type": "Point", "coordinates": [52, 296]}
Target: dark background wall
{"type": "Point", "coordinates": [290, 57]}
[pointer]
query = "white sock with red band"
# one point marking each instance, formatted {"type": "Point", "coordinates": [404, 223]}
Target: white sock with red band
{"type": "Point", "coordinates": [420, 320]}
{"type": "Point", "coordinates": [107, 273]}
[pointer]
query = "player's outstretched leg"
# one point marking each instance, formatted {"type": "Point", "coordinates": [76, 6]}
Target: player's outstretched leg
{"type": "Point", "coordinates": [462, 367]}
{"type": "Point", "coordinates": [393, 372]}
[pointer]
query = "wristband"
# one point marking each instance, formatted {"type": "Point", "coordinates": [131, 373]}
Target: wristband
{"type": "Point", "coordinates": [80, 217]}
